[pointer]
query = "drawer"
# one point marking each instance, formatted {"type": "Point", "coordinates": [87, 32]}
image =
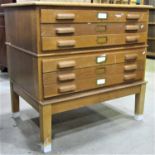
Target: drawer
{"type": "Point", "coordinates": [87, 60]}
{"type": "Point", "coordinates": [73, 42]}
{"type": "Point", "coordinates": [51, 30]}
{"type": "Point", "coordinates": [70, 81]}
{"type": "Point", "coordinates": [100, 15]}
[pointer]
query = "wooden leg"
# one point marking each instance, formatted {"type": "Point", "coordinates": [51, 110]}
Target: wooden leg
{"type": "Point", "coordinates": [139, 103]}
{"type": "Point", "coordinates": [46, 127]}
{"type": "Point", "coordinates": [14, 102]}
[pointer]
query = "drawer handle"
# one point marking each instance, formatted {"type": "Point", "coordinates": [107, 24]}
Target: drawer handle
{"type": "Point", "coordinates": [131, 57]}
{"type": "Point", "coordinates": [66, 77]}
{"type": "Point", "coordinates": [130, 67]}
{"type": "Point", "coordinates": [66, 43]}
{"type": "Point", "coordinates": [132, 39]}
{"type": "Point", "coordinates": [133, 16]}
{"type": "Point", "coordinates": [65, 30]}
{"type": "Point", "coordinates": [132, 27]}
{"type": "Point", "coordinates": [129, 77]}
{"type": "Point", "coordinates": [66, 64]}
{"type": "Point", "coordinates": [69, 88]}
{"type": "Point", "coordinates": [68, 16]}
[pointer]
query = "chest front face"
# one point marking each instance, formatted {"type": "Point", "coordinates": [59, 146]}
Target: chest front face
{"type": "Point", "coordinates": [91, 39]}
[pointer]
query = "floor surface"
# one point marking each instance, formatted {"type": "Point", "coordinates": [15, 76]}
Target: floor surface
{"type": "Point", "coordinates": [107, 128]}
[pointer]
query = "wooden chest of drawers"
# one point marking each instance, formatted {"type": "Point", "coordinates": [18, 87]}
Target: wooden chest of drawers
{"type": "Point", "coordinates": [66, 56]}
{"type": "Point", "coordinates": [3, 60]}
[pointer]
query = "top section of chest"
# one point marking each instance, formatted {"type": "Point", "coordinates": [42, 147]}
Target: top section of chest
{"type": "Point", "coordinates": [52, 27]}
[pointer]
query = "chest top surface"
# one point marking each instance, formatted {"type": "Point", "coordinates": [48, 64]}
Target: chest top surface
{"type": "Point", "coordinates": [73, 4]}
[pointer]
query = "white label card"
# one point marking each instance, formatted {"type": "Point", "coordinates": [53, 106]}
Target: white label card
{"type": "Point", "coordinates": [101, 81]}
{"type": "Point", "coordinates": [102, 15]}
{"type": "Point", "coordinates": [101, 59]}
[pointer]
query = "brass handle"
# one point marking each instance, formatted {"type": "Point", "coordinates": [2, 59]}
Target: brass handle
{"type": "Point", "coordinates": [133, 16]}
{"type": "Point", "coordinates": [131, 57]}
{"type": "Point", "coordinates": [66, 43]}
{"type": "Point", "coordinates": [66, 16]}
{"type": "Point", "coordinates": [65, 30]}
{"type": "Point", "coordinates": [66, 64]}
{"type": "Point", "coordinates": [132, 39]}
{"type": "Point", "coordinates": [129, 77]}
{"type": "Point", "coordinates": [130, 67]}
{"type": "Point", "coordinates": [66, 77]}
{"type": "Point", "coordinates": [68, 88]}
{"type": "Point", "coordinates": [132, 27]}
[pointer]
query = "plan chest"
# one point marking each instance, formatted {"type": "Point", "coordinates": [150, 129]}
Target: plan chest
{"type": "Point", "coordinates": [56, 51]}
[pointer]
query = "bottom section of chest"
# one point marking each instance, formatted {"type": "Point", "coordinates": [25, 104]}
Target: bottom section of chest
{"type": "Point", "coordinates": [84, 72]}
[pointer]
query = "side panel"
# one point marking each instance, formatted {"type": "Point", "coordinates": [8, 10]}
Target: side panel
{"type": "Point", "coordinates": [23, 71]}
{"type": "Point", "coordinates": [21, 28]}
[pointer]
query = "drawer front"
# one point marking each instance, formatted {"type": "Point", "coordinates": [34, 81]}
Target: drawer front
{"type": "Point", "coordinates": [73, 42]}
{"type": "Point", "coordinates": [52, 30]}
{"type": "Point", "coordinates": [73, 16]}
{"type": "Point", "coordinates": [70, 81]}
{"type": "Point", "coordinates": [88, 60]}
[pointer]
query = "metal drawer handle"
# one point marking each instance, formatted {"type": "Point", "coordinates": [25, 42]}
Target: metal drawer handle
{"type": "Point", "coordinates": [66, 16]}
{"type": "Point", "coordinates": [132, 27]}
{"type": "Point", "coordinates": [65, 30]}
{"type": "Point", "coordinates": [131, 57]}
{"type": "Point", "coordinates": [133, 16]}
{"type": "Point", "coordinates": [130, 67]}
{"type": "Point", "coordinates": [130, 77]}
{"type": "Point", "coordinates": [66, 64]}
{"type": "Point", "coordinates": [132, 39]}
{"type": "Point", "coordinates": [66, 43]}
{"type": "Point", "coordinates": [66, 77]}
{"type": "Point", "coordinates": [68, 88]}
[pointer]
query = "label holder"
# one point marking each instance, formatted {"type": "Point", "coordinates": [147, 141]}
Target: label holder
{"type": "Point", "coordinates": [101, 59]}
{"type": "Point", "coordinates": [102, 15]}
{"type": "Point", "coordinates": [100, 81]}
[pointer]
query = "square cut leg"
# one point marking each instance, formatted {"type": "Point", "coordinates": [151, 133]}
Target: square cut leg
{"type": "Point", "coordinates": [14, 102]}
{"type": "Point", "coordinates": [139, 103]}
{"type": "Point", "coordinates": [46, 128]}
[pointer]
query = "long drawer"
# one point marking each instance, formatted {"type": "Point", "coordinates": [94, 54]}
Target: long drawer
{"type": "Point", "coordinates": [73, 42]}
{"type": "Point", "coordinates": [70, 81]}
{"type": "Point", "coordinates": [100, 15]}
{"type": "Point", "coordinates": [94, 59]}
{"type": "Point", "coordinates": [51, 30]}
